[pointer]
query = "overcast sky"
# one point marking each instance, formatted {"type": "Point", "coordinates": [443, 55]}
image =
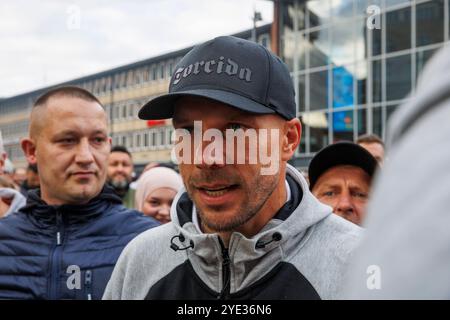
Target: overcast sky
{"type": "Point", "coordinates": [49, 41]}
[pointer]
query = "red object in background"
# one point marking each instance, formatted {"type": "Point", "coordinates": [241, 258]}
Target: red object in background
{"type": "Point", "coordinates": [152, 123]}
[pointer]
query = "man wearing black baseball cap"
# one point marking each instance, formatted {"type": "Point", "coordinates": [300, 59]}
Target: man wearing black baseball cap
{"type": "Point", "coordinates": [340, 176]}
{"type": "Point", "coordinates": [237, 231]}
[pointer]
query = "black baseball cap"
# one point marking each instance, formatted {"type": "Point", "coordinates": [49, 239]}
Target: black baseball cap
{"type": "Point", "coordinates": [340, 153]}
{"type": "Point", "coordinates": [237, 72]}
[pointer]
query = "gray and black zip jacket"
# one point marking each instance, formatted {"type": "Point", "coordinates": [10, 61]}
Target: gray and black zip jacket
{"type": "Point", "coordinates": [301, 253]}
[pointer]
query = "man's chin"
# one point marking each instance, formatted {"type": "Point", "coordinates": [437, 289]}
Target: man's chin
{"type": "Point", "coordinates": [83, 195]}
{"type": "Point", "coordinates": [220, 220]}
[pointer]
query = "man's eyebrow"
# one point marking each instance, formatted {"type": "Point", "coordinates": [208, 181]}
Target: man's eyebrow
{"type": "Point", "coordinates": [100, 132]}
{"type": "Point", "coordinates": [358, 188]}
{"type": "Point", "coordinates": [66, 132]}
{"type": "Point", "coordinates": [74, 132]}
{"type": "Point", "coordinates": [328, 185]}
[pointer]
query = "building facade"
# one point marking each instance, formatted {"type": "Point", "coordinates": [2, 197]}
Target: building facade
{"type": "Point", "coordinates": [354, 61]}
{"type": "Point", "coordinates": [122, 91]}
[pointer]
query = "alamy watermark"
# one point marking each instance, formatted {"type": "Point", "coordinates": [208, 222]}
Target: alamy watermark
{"type": "Point", "coordinates": [74, 280]}
{"type": "Point", "coordinates": [373, 282]}
{"type": "Point", "coordinates": [373, 20]}
{"type": "Point", "coordinates": [212, 146]}
{"type": "Point", "coordinates": [73, 21]}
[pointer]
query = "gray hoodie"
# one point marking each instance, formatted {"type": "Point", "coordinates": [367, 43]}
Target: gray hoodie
{"type": "Point", "coordinates": [406, 254]}
{"type": "Point", "coordinates": [301, 255]}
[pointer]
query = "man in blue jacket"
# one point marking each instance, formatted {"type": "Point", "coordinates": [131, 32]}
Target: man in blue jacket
{"type": "Point", "coordinates": [65, 242]}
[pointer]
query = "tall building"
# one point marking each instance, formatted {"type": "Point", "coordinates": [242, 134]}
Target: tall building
{"type": "Point", "coordinates": [122, 91]}
{"type": "Point", "coordinates": [353, 65]}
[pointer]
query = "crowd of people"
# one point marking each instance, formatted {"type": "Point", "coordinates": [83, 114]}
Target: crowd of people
{"type": "Point", "coordinates": [78, 223]}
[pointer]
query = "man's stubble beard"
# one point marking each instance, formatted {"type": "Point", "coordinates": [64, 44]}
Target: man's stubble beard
{"type": "Point", "coordinates": [263, 187]}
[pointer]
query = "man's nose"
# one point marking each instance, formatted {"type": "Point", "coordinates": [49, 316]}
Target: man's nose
{"type": "Point", "coordinates": [344, 205]}
{"type": "Point", "coordinates": [209, 154]}
{"type": "Point", "coordinates": [120, 168]}
{"type": "Point", "coordinates": [84, 153]}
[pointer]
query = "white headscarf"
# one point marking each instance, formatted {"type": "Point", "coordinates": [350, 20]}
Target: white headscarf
{"type": "Point", "coordinates": [155, 178]}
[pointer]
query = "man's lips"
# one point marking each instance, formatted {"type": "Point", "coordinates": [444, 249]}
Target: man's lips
{"type": "Point", "coordinates": [215, 186]}
{"type": "Point", "coordinates": [217, 194]}
{"type": "Point", "coordinates": [83, 173]}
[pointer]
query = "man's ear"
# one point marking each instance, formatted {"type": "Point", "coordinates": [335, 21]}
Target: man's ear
{"type": "Point", "coordinates": [291, 139]}
{"type": "Point", "coordinates": [29, 149]}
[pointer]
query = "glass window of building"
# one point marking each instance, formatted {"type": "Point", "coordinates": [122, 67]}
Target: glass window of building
{"type": "Point", "coordinates": [131, 108]}
{"type": "Point", "coordinates": [342, 43]}
{"type": "Point", "coordinates": [170, 68]}
{"type": "Point", "coordinates": [138, 140]}
{"type": "Point", "coordinates": [318, 87]}
{"type": "Point", "coordinates": [343, 95]}
{"type": "Point", "coordinates": [342, 124]}
{"type": "Point", "coordinates": [154, 140]}
{"type": "Point", "coordinates": [422, 58]}
{"type": "Point", "coordinates": [317, 125]}
{"type": "Point", "coordinates": [362, 5]}
{"type": "Point", "coordinates": [362, 121]}
{"type": "Point", "coordinates": [301, 93]}
{"type": "Point", "coordinates": [162, 135]}
{"type": "Point", "coordinates": [154, 73]}
{"type": "Point", "coordinates": [361, 74]}
{"type": "Point", "coordinates": [398, 77]}
{"type": "Point", "coordinates": [376, 35]}
{"type": "Point", "coordinates": [360, 31]}
{"type": "Point", "coordinates": [390, 110]}
{"type": "Point", "coordinates": [430, 22]}
{"type": "Point", "coordinates": [398, 30]}
{"type": "Point", "coordinates": [295, 47]}
{"type": "Point", "coordinates": [319, 12]}
{"type": "Point", "coordinates": [341, 9]}
{"type": "Point", "coordinates": [392, 3]}
{"type": "Point", "coordinates": [377, 81]}
{"type": "Point", "coordinates": [377, 116]}
{"type": "Point", "coordinates": [161, 71]}
{"type": "Point", "coordinates": [170, 136]}
{"type": "Point", "coordinates": [302, 145]}
{"type": "Point", "coordinates": [319, 48]}
{"type": "Point", "coordinates": [146, 139]}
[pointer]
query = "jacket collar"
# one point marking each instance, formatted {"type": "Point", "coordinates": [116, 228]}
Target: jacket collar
{"type": "Point", "coordinates": [39, 210]}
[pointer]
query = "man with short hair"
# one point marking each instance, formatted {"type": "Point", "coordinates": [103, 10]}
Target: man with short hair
{"type": "Point", "coordinates": [246, 225]}
{"type": "Point", "coordinates": [373, 144]}
{"type": "Point", "coordinates": [65, 242]}
{"type": "Point", "coordinates": [120, 174]}
{"type": "Point", "coordinates": [340, 176]}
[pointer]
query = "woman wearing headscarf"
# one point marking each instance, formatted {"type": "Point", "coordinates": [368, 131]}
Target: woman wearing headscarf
{"type": "Point", "coordinates": [155, 191]}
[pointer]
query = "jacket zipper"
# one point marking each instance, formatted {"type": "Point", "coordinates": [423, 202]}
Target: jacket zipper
{"type": "Point", "coordinates": [88, 283]}
{"type": "Point", "coordinates": [56, 256]}
{"type": "Point", "coordinates": [226, 272]}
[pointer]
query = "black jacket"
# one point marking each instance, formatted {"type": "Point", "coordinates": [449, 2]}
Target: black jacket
{"type": "Point", "coordinates": [66, 251]}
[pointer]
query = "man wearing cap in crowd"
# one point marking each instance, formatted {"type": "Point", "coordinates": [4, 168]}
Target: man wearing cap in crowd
{"type": "Point", "coordinates": [238, 231]}
{"type": "Point", "coordinates": [340, 176]}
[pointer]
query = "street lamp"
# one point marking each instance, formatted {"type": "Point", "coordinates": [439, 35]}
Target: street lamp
{"type": "Point", "coordinates": [256, 17]}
